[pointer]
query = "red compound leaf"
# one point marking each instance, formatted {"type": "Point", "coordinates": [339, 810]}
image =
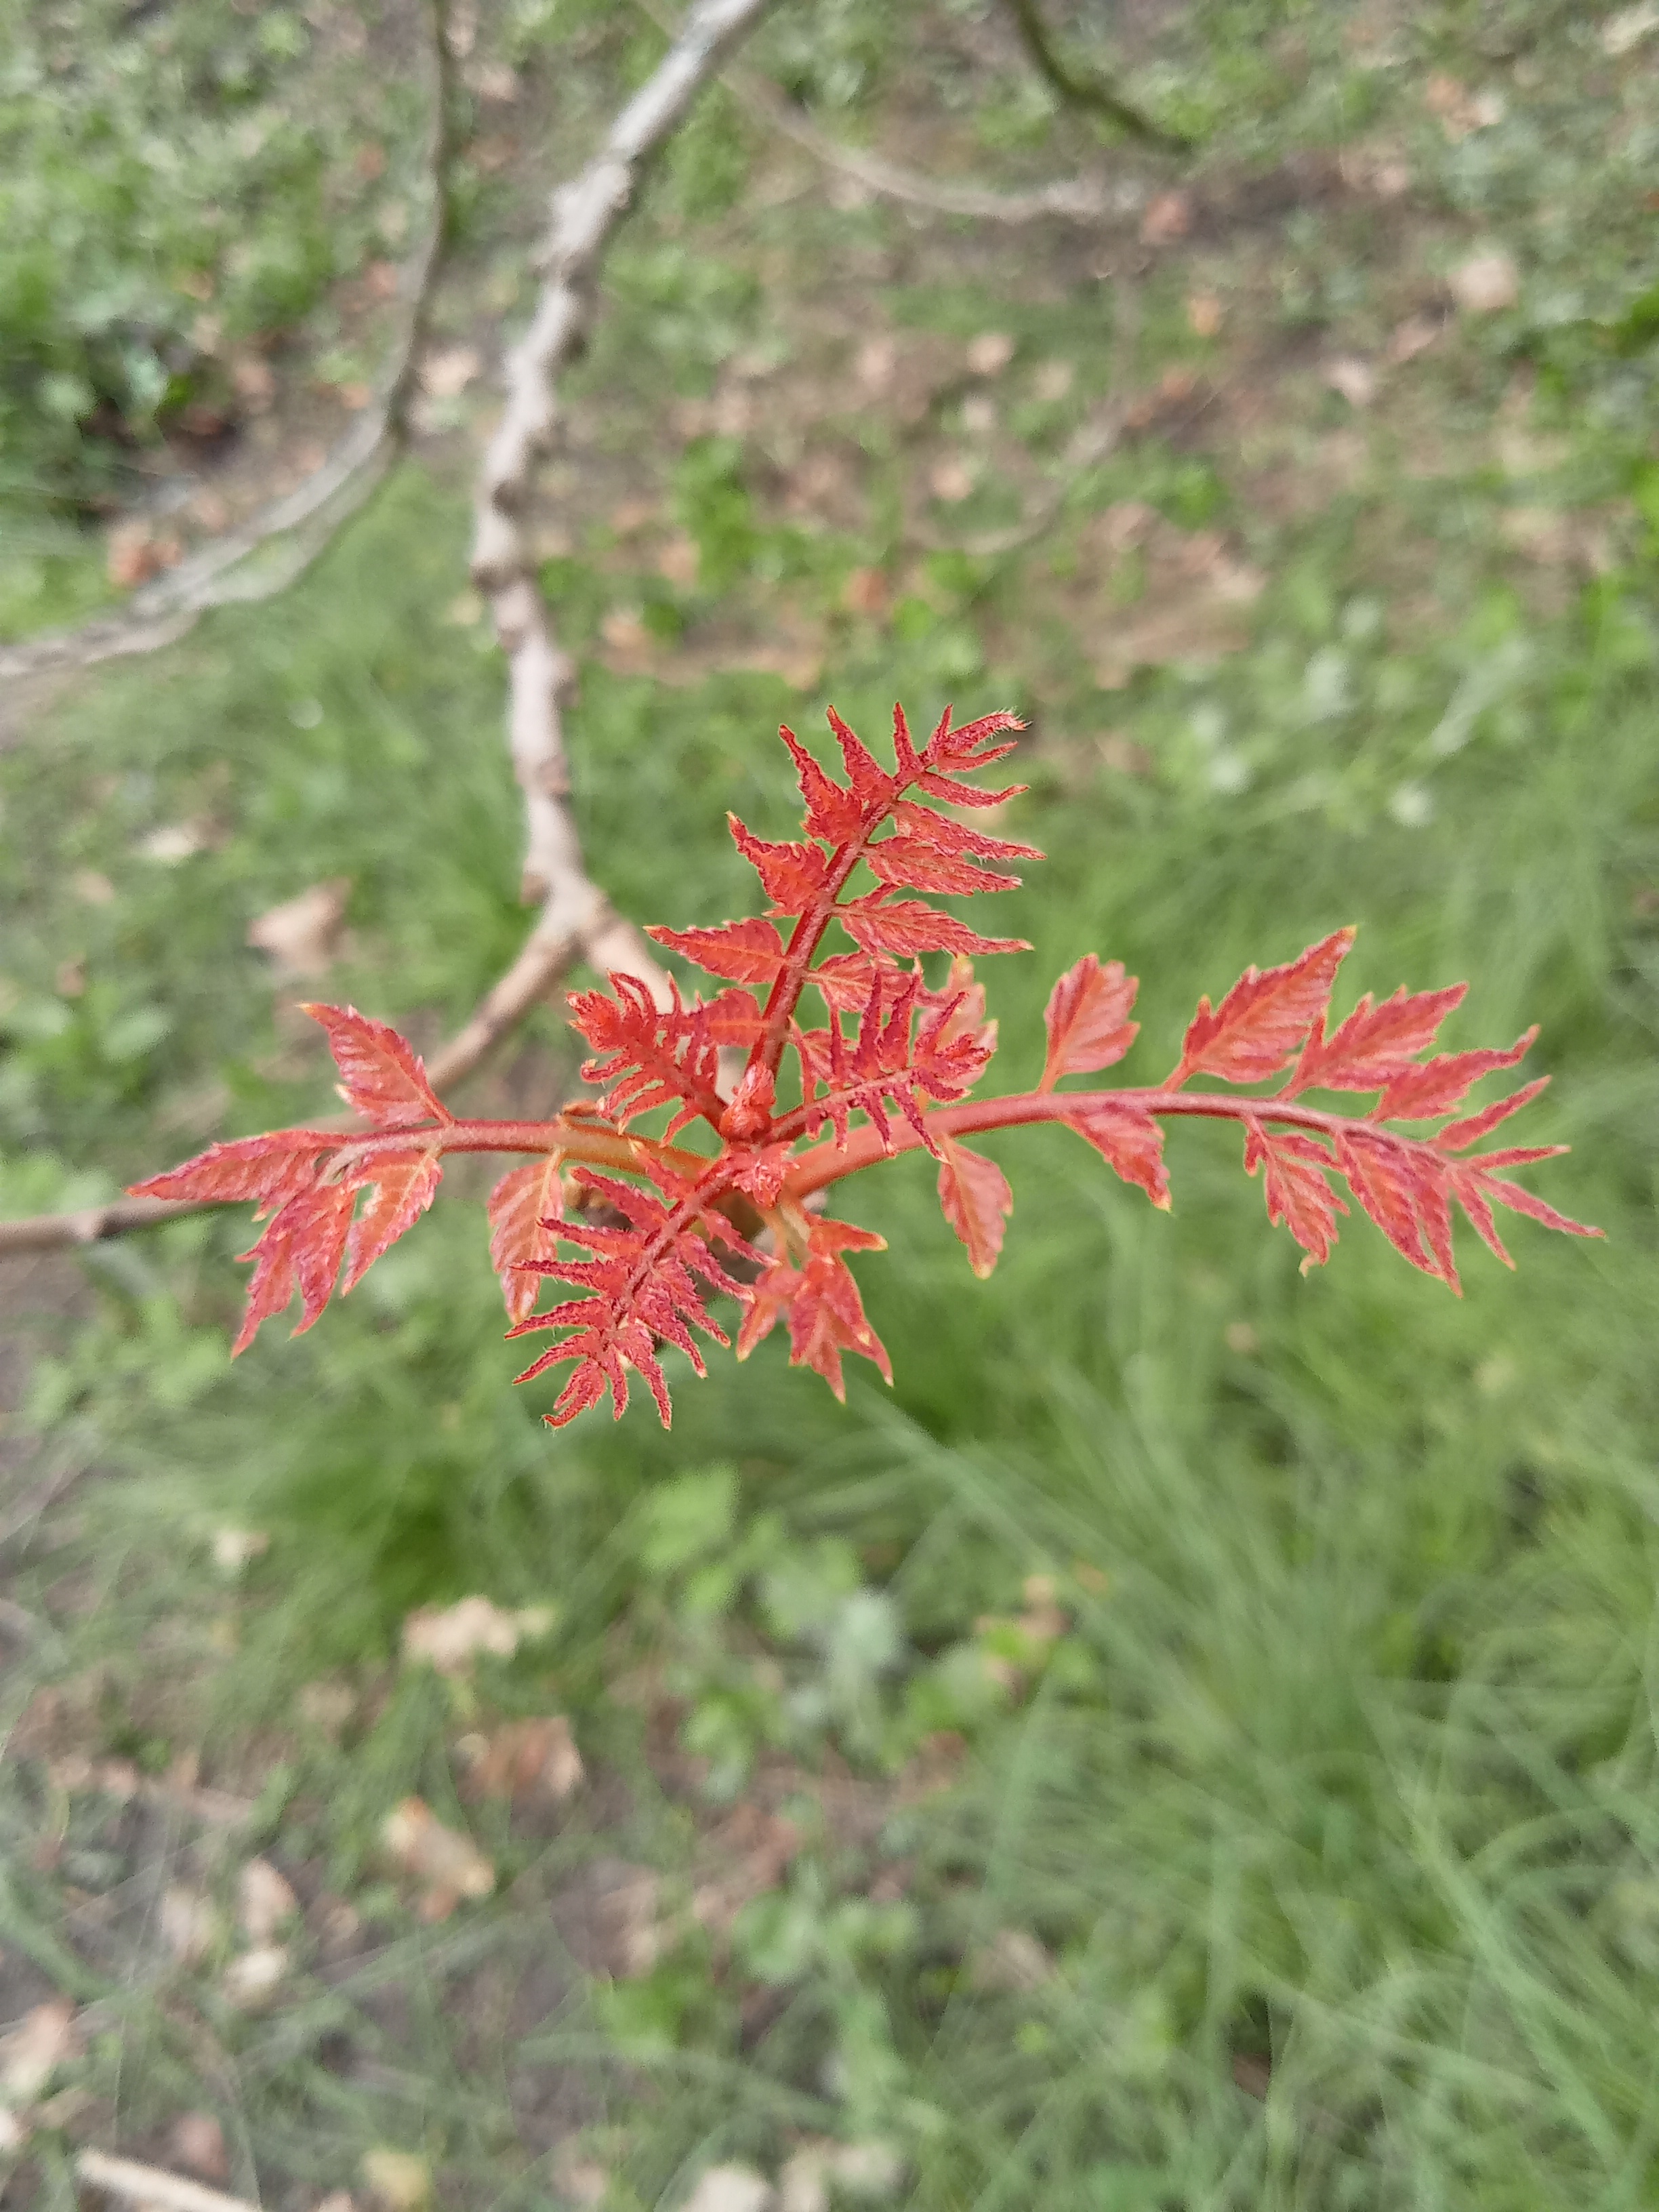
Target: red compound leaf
{"type": "Point", "coordinates": [907, 928]}
{"type": "Point", "coordinates": [922, 824]}
{"type": "Point", "coordinates": [403, 1182]}
{"type": "Point", "coordinates": [893, 1060]}
{"type": "Point", "coordinates": [734, 1019]}
{"type": "Point", "coordinates": [821, 1299]}
{"type": "Point", "coordinates": [524, 1208]}
{"type": "Point", "coordinates": [1127, 1138]}
{"type": "Point", "coordinates": [794, 876]}
{"type": "Point", "coordinates": [899, 1056]}
{"type": "Point", "coordinates": [1297, 1192]}
{"type": "Point", "coordinates": [1375, 1044]}
{"type": "Point", "coordinates": [641, 1289]}
{"type": "Point", "coordinates": [1264, 1018]}
{"type": "Point", "coordinates": [1478, 1188]}
{"type": "Point", "coordinates": [1384, 1175]}
{"type": "Point", "coordinates": [749, 951]}
{"type": "Point", "coordinates": [1458, 1136]}
{"type": "Point", "coordinates": [1087, 1019]}
{"type": "Point", "coordinates": [1423, 1094]}
{"type": "Point", "coordinates": [870, 786]}
{"type": "Point", "coordinates": [832, 814]}
{"type": "Point", "coordinates": [382, 1078]}
{"type": "Point", "coordinates": [301, 1248]}
{"type": "Point", "coordinates": [977, 1200]}
{"type": "Point", "coordinates": [915, 864]}
{"type": "Point", "coordinates": [270, 1170]}
{"type": "Point", "coordinates": [846, 979]}
{"type": "Point", "coordinates": [649, 1057]}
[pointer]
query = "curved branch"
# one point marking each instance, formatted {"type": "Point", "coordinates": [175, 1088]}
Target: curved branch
{"type": "Point", "coordinates": [290, 531]}
{"type": "Point", "coordinates": [576, 921]}
{"type": "Point", "coordinates": [1068, 199]}
{"type": "Point", "coordinates": [1088, 92]}
{"type": "Point", "coordinates": [585, 215]}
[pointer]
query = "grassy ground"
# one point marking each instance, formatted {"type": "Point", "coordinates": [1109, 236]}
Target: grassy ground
{"type": "Point", "coordinates": [1293, 1840]}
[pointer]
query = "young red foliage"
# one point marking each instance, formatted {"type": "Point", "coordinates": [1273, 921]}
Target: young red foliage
{"type": "Point", "coordinates": [894, 1068]}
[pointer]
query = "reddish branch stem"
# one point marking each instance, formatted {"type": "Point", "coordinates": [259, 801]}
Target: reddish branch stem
{"type": "Point", "coordinates": [826, 1164]}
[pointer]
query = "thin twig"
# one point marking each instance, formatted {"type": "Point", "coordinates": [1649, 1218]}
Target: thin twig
{"type": "Point", "coordinates": [286, 535]}
{"type": "Point", "coordinates": [585, 214]}
{"type": "Point", "coordinates": [1090, 444]}
{"type": "Point", "coordinates": [1102, 98]}
{"type": "Point", "coordinates": [576, 921]}
{"type": "Point", "coordinates": [153, 2184]}
{"type": "Point", "coordinates": [1069, 199]}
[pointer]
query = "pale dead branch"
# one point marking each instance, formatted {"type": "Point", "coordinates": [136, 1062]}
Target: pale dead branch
{"type": "Point", "coordinates": [1088, 446]}
{"type": "Point", "coordinates": [576, 921]}
{"type": "Point", "coordinates": [1088, 200]}
{"type": "Point", "coordinates": [276, 545]}
{"type": "Point", "coordinates": [153, 2185]}
{"type": "Point", "coordinates": [585, 214]}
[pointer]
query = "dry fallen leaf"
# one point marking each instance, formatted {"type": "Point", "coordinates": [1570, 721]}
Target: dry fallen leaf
{"type": "Point", "coordinates": [92, 886]}
{"type": "Point", "coordinates": [1626, 30]}
{"type": "Point", "coordinates": [867, 2170]}
{"type": "Point", "coordinates": [254, 1978]}
{"type": "Point", "coordinates": [624, 631]}
{"type": "Point", "coordinates": [1168, 216]}
{"type": "Point", "coordinates": [1053, 380]}
{"type": "Point", "coordinates": [35, 2048]}
{"type": "Point", "coordinates": [866, 592]}
{"type": "Point", "coordinates": [234, 1547]}
{"type": "Point", "coordinates": [874, 364]}
{"type": "Point", "coordinates": [449, 1637]}
{"type": "Point", "coordinates": [196, 2141]}
{"type": "Point", "coordinates": [731, 2189]}
{"type": "Point", "coordinates": [399, 2180]}
{"type": "Point", "coordinates": [327, 1705]}
{"type": "Point", "coordinates": [1413, 337]}
{"type": "Point", "coordinates": [679, 559]}
{"type": "Point", "coordinates": [1204, 314]}
{"type": "Point", "coordinates": [445, 375]}
{"type": "Point", "coordinates": [173, 842]}
{"type": "Point", "coordinates": [495, 83]}
{"type": "Point", "coordinates": [446, 1864]}
{"type": "Point", "coordinates": [1012, 1962]}
{"type": "Point", "coordinates": [1485, 283]}
{"type": "Point", "coordinates": [302, 934]}
{"type": "Point", "coordinates": [951, 480]}
{"type": "Point", "coordinates": [190, 1926]}
{"type": "Point", "coordinates": [577, 2177]}
{"type": "Point", "coordinates": [522, 1761]}
{"type": "Point", "coordinates": [255, 381]}
{"type": "Point", "coordinates": [264, 1899]}
{"type": "Point", "coordinates": [1354, 378]}
{"type": "Point", "coordinates": [990, 353]}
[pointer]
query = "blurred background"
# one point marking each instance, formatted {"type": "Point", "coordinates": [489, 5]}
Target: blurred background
{"type": "Point", "coordinates": [1191, 1744]}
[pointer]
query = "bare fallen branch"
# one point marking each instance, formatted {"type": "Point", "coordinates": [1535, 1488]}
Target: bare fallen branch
{"type": "Point", "coordinates": [1092, 445]}
{"type": "Point", "coordinates": [1088, 200]}
{"type": "Point", "coordinates": [1104, 98]}
{"type": "Point", "coordinates": [88, 1225]}
{"type": "Point", "coordinates": [1088, 446]}
{"type": "Point", "coordinates": [276, 545]}
{"type": "Point", "coordinates": [584, 216]}
{"type": "Point", "coordinates": [153, 2185]}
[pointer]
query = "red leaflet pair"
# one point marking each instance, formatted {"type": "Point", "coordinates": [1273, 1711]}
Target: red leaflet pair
{"type": "Point", "coordinates": [891, 1068]}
